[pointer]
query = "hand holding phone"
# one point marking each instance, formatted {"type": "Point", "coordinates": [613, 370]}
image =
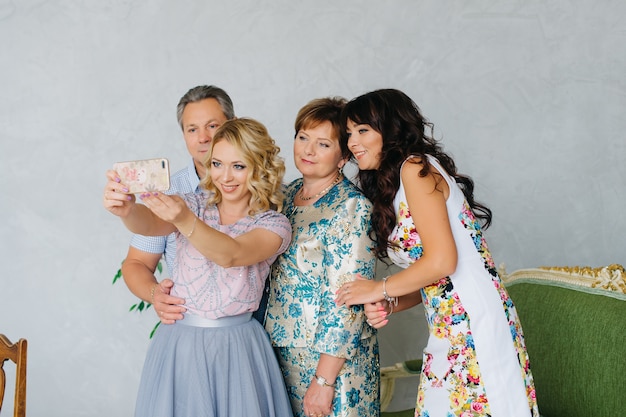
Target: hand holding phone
{"type": "Point", "coordinates": [146, 175]}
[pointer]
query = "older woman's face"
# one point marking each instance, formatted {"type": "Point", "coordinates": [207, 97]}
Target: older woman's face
{"type": "Point", "coordinates": [316, 152]}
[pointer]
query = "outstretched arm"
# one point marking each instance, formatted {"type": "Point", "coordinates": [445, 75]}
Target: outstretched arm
{"type": "Point", "coordinates": [137, 218]}
{"type": "Point", "coordinates": [247, 249]}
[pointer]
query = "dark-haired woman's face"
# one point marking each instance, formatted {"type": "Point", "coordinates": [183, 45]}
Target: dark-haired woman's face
{"type": "Point", "coordinates": [366, 145]}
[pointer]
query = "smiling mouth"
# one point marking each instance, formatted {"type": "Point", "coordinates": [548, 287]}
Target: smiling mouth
{"type": "Point", "coordinates": [229, 188]}
{"type": "Point", "coordinates": [359, 154]}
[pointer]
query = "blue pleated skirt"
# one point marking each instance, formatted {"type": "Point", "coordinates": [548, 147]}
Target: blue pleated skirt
{"type": "Point", "coordinates": [212, 368]}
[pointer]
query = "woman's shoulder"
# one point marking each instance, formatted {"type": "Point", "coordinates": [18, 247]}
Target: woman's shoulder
{"type": "Point", "coordinates": [411, 166]}
{"type": "Point", "coordinates": [353, 191]}
{"type": "Point", "coordinates": [414, 164]}
{"type": "Point", "coordinates": [292, 187]}
{"type": "Point", "coordinates": [435, 178]}
{"type": "Point", "coordinates": [349, 194]}
{"type": "Point", "coordinates": [271, 217]}
{"type": "Point", "coordinates": [414, 161]}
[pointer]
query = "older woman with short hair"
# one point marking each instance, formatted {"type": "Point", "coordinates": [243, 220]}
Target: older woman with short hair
{"type": "Point", "coordinates": [328, 354]}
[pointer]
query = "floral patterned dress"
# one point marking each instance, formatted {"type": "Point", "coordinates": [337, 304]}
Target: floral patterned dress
{"type": "Point", "coordinates": [330, 244]}
{"type": "Point", "coordinates": [475, 361]}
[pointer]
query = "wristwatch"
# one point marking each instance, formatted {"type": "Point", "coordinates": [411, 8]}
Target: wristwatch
{"type": "Point", "coordinates": [323, 381]}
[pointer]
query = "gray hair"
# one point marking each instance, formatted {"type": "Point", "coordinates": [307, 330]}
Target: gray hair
{"type": "Point", "coordinates": [202, 92]}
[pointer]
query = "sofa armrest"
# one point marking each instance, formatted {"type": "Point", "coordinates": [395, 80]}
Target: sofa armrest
{"type": "Point", "coordinates": [573, 324]}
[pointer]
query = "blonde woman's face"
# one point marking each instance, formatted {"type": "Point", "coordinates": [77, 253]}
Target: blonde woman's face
{"type": "Point", "coordinates": [229, 172]}
{"type": "Point", "coordinates": [316, 152]}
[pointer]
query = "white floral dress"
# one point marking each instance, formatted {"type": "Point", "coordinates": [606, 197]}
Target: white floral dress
{"type": "Point", "coordinates": [475, 362]}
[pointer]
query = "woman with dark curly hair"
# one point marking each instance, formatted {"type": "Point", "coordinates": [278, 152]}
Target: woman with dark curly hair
{"type": "Point", "coordinates": [426, 220]}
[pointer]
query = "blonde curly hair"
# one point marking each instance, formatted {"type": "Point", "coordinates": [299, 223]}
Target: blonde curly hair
{"type": "Point", "coordinates": [260, 154]}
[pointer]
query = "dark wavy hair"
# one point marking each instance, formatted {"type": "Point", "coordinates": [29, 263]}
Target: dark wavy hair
{"type": "Point", "coordinates": [405, 133]}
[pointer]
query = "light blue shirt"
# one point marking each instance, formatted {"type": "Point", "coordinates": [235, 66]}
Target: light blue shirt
{"type": "Point", "coordinates": [182, 182]}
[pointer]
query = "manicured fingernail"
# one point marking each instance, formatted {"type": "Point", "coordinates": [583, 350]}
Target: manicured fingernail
{"type": "Point", "coordinates": [128, 198]}
{"type": "Point", "coordinates": [155, 194]}
{"type": "Point", "coordinates": [125, 190]}
{"type": "Point", "coordinates": [117, 179]}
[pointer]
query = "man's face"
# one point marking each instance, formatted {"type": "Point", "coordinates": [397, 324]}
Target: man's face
{"type": "Point", "coordinates": [200, 121]}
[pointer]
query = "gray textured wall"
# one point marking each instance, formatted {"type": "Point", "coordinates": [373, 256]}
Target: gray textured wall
{"type": "Point", "coordinates": [529, 96]}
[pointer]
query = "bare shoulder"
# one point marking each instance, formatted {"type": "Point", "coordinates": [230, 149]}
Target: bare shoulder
{"type": "Point", "coordinates": [413, 165]}
{"type": "Point", "coordinates": [413, 179]}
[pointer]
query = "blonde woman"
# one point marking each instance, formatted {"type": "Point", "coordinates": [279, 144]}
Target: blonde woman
{"type": "Point", "coordinates": [216, 361]}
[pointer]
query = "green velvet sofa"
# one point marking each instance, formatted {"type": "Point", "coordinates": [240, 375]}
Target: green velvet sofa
{"type": "Point", "coordinates": [574, 321]}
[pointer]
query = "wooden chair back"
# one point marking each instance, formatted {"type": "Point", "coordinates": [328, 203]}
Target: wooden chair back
{"type": "Point", "coordinates": [15, 352]}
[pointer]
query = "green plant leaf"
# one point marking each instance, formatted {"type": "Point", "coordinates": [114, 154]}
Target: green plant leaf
{"type": "Point", "coordinates": [117, 276]}
{"type": "Point", "coordinates": [154, 329]}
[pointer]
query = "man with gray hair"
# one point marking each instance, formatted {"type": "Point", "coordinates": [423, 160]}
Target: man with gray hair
{"type": "Point", "coordinates": [199, 112]}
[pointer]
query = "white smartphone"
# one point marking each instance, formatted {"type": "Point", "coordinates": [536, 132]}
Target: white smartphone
{"type": "Point", "coordinates": [146, 175]}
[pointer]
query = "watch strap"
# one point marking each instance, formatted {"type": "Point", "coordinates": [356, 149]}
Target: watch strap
{"type": "Point", "coordinates": [323, 381]}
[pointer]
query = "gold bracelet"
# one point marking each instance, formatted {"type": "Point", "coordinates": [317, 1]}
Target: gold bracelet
{"type": "Point", "coordinates": [192, 227]}
{"type": "Point", "coordinates": [152, 292]}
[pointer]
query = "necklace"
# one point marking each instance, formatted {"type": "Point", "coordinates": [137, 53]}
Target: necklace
{"type": "Point", "coordinates": [321, 193]}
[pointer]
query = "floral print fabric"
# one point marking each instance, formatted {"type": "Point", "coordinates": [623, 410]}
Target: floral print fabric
{"type": "Point", "coordinates": [209, 290]}
{"type": "Point", "coordinates": [330, 244]}
{"type": "Point", "coordinates": [475, 363]}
